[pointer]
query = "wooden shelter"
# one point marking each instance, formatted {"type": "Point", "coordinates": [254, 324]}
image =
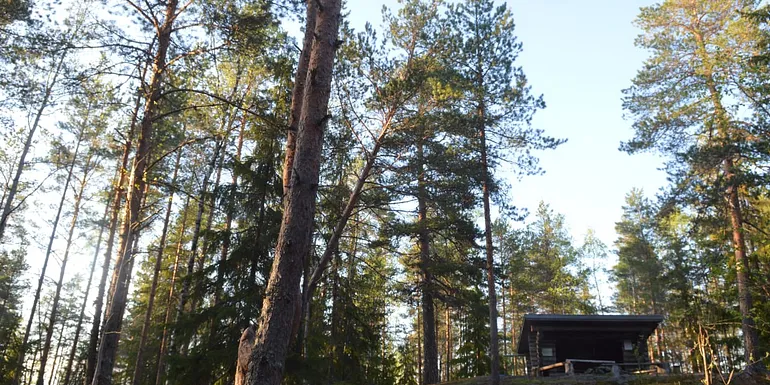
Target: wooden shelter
{"type": "Point", "coordinates": [579, 342]}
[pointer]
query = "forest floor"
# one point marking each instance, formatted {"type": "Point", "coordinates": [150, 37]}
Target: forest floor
{"type": "Point", "coordinates": [592, 380]}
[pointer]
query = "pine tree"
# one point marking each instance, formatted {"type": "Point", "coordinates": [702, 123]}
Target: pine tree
{"type": "Point", "coordinates": [682, 107]}
{"type": "Point", "coordinates": [500, 110]}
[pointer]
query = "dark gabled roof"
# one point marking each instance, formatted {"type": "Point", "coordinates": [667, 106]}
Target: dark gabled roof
{"type": "Point", "coordinates": [643, 322]}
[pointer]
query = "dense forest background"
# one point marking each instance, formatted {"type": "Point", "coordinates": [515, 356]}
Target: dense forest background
{"type": "Point", "coordinates": [152, 152]}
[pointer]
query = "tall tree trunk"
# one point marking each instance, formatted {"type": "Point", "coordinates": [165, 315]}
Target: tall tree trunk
{"type": "Point", "coordinates": [56, 355]}
{"type": "Point", "coordinates": [114, 322]}
{"type": "Point", "coordinates": [750, 337]}
{"type": "Point", "coordinates": [337, 302]}
{"type": "Point", "coordinates": [335, 338]}
{"type": "Point", "coordinates": [297, 100]}
{"type": "Point", "coordinates": [117, 202]}
{"type": "Point", "coordinates": [82, 314]}
{"type": "Point", "coordinates": [430, 347]}
{"type": "Point", "coordinates": [505, 328]}
{"type": "Point", "coordinates": [161, 357]}
{"type": "Point", "coordinates": [224, 251]}
{"type": "Point", "coordinates": [139, 366]}
{"type": "Point", "coordinates": [184, 294]}
{"type": "Point", "coordinates": [419, 347]}
{"type": "Point", "coordinates": [282, 296]}
{"type": "Point", "coordinates": [448, 357]}
{"type": "Point", "coordinates": [36, 299]}
{"type": "Point", "coordinates": [60, 282]}
{"type": "Point", "coordinates": [494, 351]}
{"type": "Point", "coordinates": [28, 380]}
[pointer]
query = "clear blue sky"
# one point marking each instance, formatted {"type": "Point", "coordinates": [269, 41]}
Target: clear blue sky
{"type": "Point", "coordinates": [579, 55]}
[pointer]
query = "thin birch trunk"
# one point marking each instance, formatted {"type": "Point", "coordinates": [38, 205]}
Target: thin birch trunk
{"type": "Point", "coordinates": [184, 294]}
{"type": "Point", "coordinates": [139, 365]}
{"type": "Point", "coordinates": [56, 353]}
{"type": "Point", "coordinates": [60, 282]}
{"type": "Point", "coordinates": [161, 357]}
{"type": "Point", "coordinates": [51, 239]}
{"type": "Point", "coordinates": [81, 317]}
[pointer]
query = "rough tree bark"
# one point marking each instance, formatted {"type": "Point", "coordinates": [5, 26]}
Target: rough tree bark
{"type": "Point", "coordinates": [245, 346]}
{"type": "Point", "coordinates": [131, 225]}
{"type": "Point", "coordinates": [297, 94]}
{"type": "Point", "coordinates": [748, 326]}
{"type": "Point", "coordinates": [297, 99]}
{"type": "Point", "coordinates": [282, 296]}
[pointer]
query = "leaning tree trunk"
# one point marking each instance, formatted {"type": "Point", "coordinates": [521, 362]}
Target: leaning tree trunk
{"type": "Point", "coordinates": [36, 299]}
{"type": "Point", "coordinates": [297, 99]}
{"type": "Point", "coordinates": [117, 201]}
{"type": "Point", "coordinates": [11, 194]}
{"type": "Point", "coordinates": [65, 258]}
{"type": "Point", "coordinates": [282, 296]}
{"type": "Point", "coordinates": [139, 366]}
{"type": "Point", "coordinates": [114, 322]}
{"type": "Point", "coordinates": [339, 227]}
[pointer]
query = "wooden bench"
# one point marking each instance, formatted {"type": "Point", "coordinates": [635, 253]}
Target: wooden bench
{"type": "Point", "coordinates": [569, 366]}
